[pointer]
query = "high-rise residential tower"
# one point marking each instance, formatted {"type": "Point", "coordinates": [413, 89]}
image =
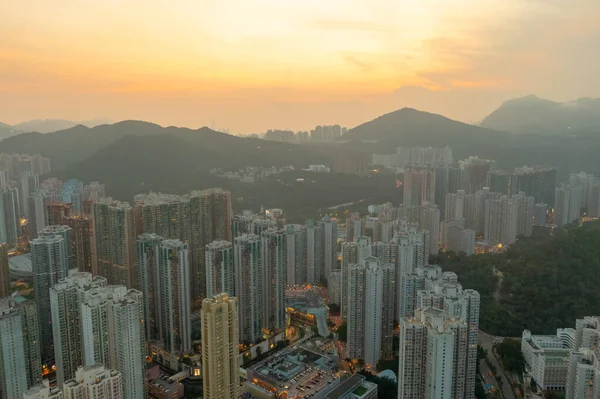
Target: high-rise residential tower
{"type": "Point", "coordinates": [330, 254]}
{"type": "Point", "coordinates": [147, 255]}
{"type": "Point", "coordinates": [174, 289]}
{"type": "Point", "coordinates": [4, 271]}
{"type": "Point", "coordinates": [274, 272]}
{"type": "Point", "coordinates": [248, 286]}
{"type": "Point", "coordinates": [30, 183]}
{"type": "Point", "coordinates": [49, 264]}
{"type": "Point", "coordinates": [220, 341]}
{"type": "Point", "coordinates": [95, 382]}
{"type": "Point", "coordinates": [419, 186]}
{"type": "Point", "coordinates": [370, 311]}
{"type": "Point", "coordinates": [314, 253]}
{"type": "Point", "coordinates": [219, 268]}
{"type": "Point", "coordinates": [9, 215]}
{"type": "Point", "coordinates": [84, 243]}
{"type": "Point", "coordinates": [432, 356]}
{"type": "Point", "coordinates": [352, 253]}
{"type": "Point", "coordinates": [295, 243]}
{"type": "Point", "coordinates": [115, 241]}
{"type": "Point", "coordinates": [66, 299]}
{"type": "Point", "coordinates": [20, 364]}
{"type": "Point", "coordinates": [429, 219]}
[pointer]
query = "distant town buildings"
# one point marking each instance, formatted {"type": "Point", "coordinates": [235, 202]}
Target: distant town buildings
{"type": "Point", "coordinates": [328, 133]}
{"type": "Point", "coordinates": [350, 162]}
{"type": "Point", "coordinates": [417, 156]}
{"type": "Point", "coordinates": [419, 186]}
{"type": "Point", "coordinates": [16, 164]}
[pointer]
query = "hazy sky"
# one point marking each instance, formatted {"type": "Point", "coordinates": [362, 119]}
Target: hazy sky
{"type": "Point", "coordinates": [258, 64]}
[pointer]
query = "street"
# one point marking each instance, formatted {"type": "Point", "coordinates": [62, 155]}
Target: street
{"type": "Point", "coordinates": [488, 381]}
{"type": "Point", "coordinates": [486, 341]}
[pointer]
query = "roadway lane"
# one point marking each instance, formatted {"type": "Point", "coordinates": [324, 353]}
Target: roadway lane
{"type": "Point", "coordinates": [487, 341]}
{"type": "Point", "coordinates": [485, 373]}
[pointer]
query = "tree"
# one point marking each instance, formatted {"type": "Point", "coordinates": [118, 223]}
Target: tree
{"type": "Point", "coordinates": [534, 272]}
{"type": "Point", "coordinates": [390, 364]}
{"type": "Point", "coordinates": [386, 388]}
{"type": "Point", "coordinates": [343, 332]}
{"type": "Point", "coordinates": [334, 308]}
{"type": "Point", "coordinates": [509, 351]}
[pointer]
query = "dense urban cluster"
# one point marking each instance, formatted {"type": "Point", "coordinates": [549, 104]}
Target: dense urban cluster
{"type": "Point", "coordinates": [174, 295]}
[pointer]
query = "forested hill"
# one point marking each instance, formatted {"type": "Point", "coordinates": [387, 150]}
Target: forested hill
{"type": "Point", "coordinates": [546, 282]}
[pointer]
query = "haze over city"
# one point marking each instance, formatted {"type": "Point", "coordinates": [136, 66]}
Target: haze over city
{"type": "Point", "coordinates": [251, 66]}
{"type": "Point", "coordinates": [300, 199]}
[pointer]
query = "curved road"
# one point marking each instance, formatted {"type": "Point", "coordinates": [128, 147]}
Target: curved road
{"type": "Point", "coordinates": [487, 342]}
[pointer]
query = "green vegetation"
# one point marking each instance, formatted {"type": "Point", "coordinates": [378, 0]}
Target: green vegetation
{"type": "Point", "coordinates": [391, 364]}
{"type": "Point", "coordinates": [547, 281]}
{"type": "Point", "coordinates": [386, 388]}
{"type": "Point", "coordinates": [509, 351]}
{"type": "Point", "coordinates": [334, 308]}
{"type": "Point", "coordinates": [360, 391]}
{"type": "Point", "coordinates": [343, 332]}
{"type": "Point", "coordinates": [408, 127]}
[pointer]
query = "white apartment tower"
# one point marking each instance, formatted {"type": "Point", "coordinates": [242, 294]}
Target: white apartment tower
{"type": "Point", "coordinates": [174, 287]}
{"type": "Point", "coordinates": [147, 254]}
{"type": "Point", "coordinates": [98, 323]}
{"type": "Point", "coordinates": [66, 298]}
{"type": "Point", "coordinates": [20, 363]}
{"type": "Point", "coordinates": [220, 272]}
{"type": "Point", "coordinates": [126, 339]}
{"type": "Point", "coordinates": [315, 271]}
{"type": "Point", "coordinates": [370, 311]}
{"type": "Point", "coordinates": [355, 316]}
{"type": "Point", "coordinates": [49, 264]}
{"type": "Point", "coordinates": [379, 311]}
{"type": "Point", "coordinates": [330, 234]}
{"type": "Point", "coordinates": [432, 356]}
{"type": "Point", "coordinates": [296, 251]}
{"type": "Point", "coordinates": [94, 382]}
{"type": "Point", "coordinates": [583, 375]}
{"type": "Point", "coordinates": [352, 253]}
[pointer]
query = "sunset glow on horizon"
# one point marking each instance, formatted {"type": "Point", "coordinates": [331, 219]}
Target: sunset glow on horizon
{"type": "Point", "coordinates": [255, 65]}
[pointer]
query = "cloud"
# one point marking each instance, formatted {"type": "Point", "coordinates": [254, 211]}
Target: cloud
{"type": "Point", "coordinates": [364, 66]}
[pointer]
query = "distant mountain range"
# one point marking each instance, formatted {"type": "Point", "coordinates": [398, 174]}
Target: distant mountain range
{"type": "Point", "coordinates": [46, 126]}
{"type": "Point", "coordinates": [534, 115]}
{"type": "Point", "coordinates": [136, 156]}
{"type": "Point", "coordinates": [412, 125]}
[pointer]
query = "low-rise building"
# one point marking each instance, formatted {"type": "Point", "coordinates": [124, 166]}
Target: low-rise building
{"type": "Point", "coordinates": [547, 357]}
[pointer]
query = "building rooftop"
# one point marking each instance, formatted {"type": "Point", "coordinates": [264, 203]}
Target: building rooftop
{"type": "Point", "coordinates": [297, 370]}
{"type": "Point", "coordinates": [20, 266]}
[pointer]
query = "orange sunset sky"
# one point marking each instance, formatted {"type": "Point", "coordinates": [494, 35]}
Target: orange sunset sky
{"type": "Point", "coordinates": [259, 64]}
